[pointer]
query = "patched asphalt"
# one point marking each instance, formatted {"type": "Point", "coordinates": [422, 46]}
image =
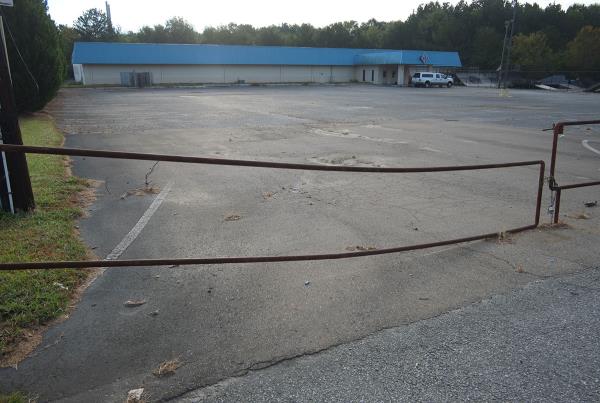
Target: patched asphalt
{"type": "Point", "coordinates": [222, 321]}
{"type": "Point", "coordinates": [535, 344]}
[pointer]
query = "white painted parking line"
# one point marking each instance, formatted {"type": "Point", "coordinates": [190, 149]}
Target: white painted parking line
{"type": "Point", "coordinates": [137, 228]}
{"type": "Point", "coordinates": [587, 145]}
{"type": "Point", "coordinates": [433, 150]}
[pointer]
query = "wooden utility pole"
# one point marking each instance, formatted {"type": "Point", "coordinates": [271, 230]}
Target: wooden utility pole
{"type": "Point", "coordinates": [15, 190]}
{"type": "Point", "coordinates": [515, 4]}
{"type": "Point", "coordinates": [501, 68]}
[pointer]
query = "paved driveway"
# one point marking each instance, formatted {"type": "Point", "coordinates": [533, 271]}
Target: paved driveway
{"type": "Point", "coordinates": [220, 321]}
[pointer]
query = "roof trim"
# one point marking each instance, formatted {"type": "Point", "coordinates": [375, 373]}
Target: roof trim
{"type": "Point", "coordinates": [116, 53]}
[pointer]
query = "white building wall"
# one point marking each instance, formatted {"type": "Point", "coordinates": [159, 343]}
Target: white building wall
{"type": "Point", "coordinates": [95, 74]}
{"type": "Point", "coordinates": [221, 74]}
{"type": "Point", "coordinates": [185, 74]}
{"type": "Point", "coordinates": [372, 74]}
{"type": "Point", "coordinates": [321, 74]}
{"type": "Point", "coordinates": [190, 74]}
{"type": "Point", "coordinates": [343, 74]}
{"type": "Point", "coordinates": [296, 74]}
{"type": "Point", "coordinates": [400, 74]}
{"type": "Point", "coordinates": [78, 73]}
{"type": "Point", "coordinates": [250, 74]}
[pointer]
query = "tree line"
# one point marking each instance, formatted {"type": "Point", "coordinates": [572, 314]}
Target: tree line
{"type": "Point", "coordinates": [547, 39]}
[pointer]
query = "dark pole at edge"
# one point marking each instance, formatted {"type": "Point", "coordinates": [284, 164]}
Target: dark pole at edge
{"type": "Point", "coordinates": [17, 178]}
{"type": "Point", "coordinates": [515, 4]}
{"type": "Point", "coordinates": [501, 75]}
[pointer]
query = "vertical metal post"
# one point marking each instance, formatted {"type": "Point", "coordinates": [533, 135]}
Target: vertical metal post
{"type": "Point", "coordinates": [538, 204]}
{"type": "Point", "coordinates": [17, 183]}
{"type": "Point", "coordinates": [557, 206]}
{"type": "Point", "coordinates": [6, 200]}
{"type": "Point", "coordinates": [557, 130]}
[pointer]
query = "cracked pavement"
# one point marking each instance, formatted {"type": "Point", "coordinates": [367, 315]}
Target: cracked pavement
{"type": "Point", "coordinates": [222, 321]}
{"type": "Point", "coordinates": [537, 343]}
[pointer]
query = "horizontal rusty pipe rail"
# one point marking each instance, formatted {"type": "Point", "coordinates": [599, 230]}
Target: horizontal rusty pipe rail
{"type": "Point", "coordinates": [86, 264]}
{"type": "Point", "coordinates": [578, 185]}
{"type": "Point", "coordinates": [75, 152]}
{"type": "Point", "coordinates": [558, 129]}
{"type": "Point", "coordinates": [261, 164]}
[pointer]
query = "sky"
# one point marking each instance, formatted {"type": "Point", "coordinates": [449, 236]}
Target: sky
{"type": "Point", "coordinates": [133, 14]}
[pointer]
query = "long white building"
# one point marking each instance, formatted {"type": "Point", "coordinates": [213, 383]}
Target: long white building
{"type": "Point", "coordinates": [130, 64]}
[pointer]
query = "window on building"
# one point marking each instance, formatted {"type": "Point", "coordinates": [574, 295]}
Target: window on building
{"type": "Point", "coordinates": [384, 73]}
{"type": "Point", "coordinates": [393, 74]}
{"type": "Point", "coordinates": [364, 72]}
{"type": "Point", "coordinates": [372, 75]}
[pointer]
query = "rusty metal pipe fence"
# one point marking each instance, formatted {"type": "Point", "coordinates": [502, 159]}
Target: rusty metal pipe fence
{"type": "Point", "coordinates": [558, 129]}
{"type": "Point", "coordinates": [261, 164]}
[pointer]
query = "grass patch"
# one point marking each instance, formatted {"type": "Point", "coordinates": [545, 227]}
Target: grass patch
{"type": "Point", "coordinates": [32, 298]}
{"type": "Point", "coordinates": [16, 397]}
{"type": "Point", "coordinates": [71, 84]}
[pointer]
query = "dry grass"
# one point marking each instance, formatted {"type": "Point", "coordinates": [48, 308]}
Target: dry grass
{"type": "Point", "coordinates": [579, 216]}
{"type": "Point", "coordinates": [552, 226]}
{"type": "Point", "coordinates": [141, 191]}
{"type": "Point", "coordinates": [136, 396]}
{"type": "Point", "coordinates": [167, 368]}
{"type": "Point", "coordinates": [504, 237]}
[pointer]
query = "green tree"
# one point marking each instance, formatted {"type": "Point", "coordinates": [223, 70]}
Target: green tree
{"type": "Point", "coordinates": [156, 34]}
{"type": "Point", "coordinates": [370, 34]}
{"type": "Point", "coordinates": [303, 35]}
{"type": "Point", "coordinates": [486, 48]}
{"type": "Point", "coordinates": [93, 26]}
{"type": "Point", "coordinates": [175, 30]}
{"type": "Point", "coordinates": [583, 53]}
{"type": "Point", "coordinates": [532, 52]}
{"type": "Point", "coordinates": [338, 35]}
{"type": "Point", "coordinates": [180, 31]}
{"type": "Point", "coordinates": [38, 42]}
{"type": "Point", "coordinates": [271, 35]}
{"type": "Point", "coordinates": [474, 28]}
{"type": "Point", "coordinates": [68, 37]}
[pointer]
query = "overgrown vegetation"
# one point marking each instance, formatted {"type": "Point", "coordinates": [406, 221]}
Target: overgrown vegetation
{"type": "Point", "coordinates": [549, 39]}
{"type": "Point", "coordinates": [32, 298]}
{"type": "Point", "coordinates": [35, 53]}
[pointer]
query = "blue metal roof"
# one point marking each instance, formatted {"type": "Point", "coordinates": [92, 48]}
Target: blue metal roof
{"type": "Point", "coordinates": [151, 53]}
{"type": "Point", "coordinates": [446, 59]}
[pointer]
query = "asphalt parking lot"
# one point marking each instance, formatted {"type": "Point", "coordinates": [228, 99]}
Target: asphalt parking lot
{"type": "Point", "coordinates": [221, 321]}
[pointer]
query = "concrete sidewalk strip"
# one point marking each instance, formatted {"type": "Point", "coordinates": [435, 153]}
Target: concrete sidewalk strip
{"type": "Point", "coordinates": [538, 343]}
